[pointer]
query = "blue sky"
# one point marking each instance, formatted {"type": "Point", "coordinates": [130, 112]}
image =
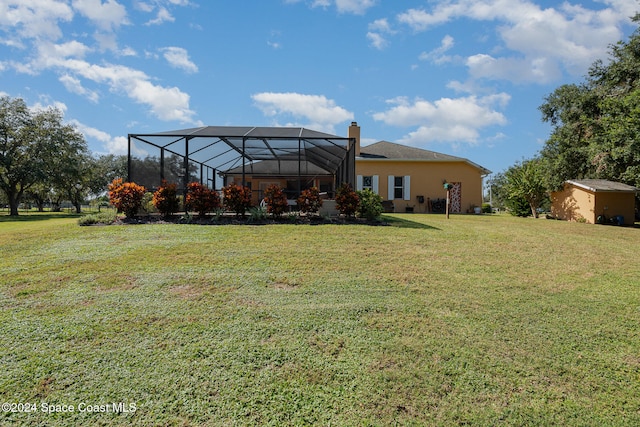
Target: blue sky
{"type": "Point", "coordinates": [462, 77]}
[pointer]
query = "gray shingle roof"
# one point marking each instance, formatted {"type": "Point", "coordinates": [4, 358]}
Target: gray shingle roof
{"type": "Point", "coordinates": [393, 151]}
{"type": "Point", "coordinates": [596, 185]}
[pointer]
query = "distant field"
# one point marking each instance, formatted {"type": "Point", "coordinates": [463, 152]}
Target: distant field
{"type": "Point", "coordinates": [475, 320]}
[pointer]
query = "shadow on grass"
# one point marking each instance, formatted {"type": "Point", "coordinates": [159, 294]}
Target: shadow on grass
{"type": "Point", "coordinates": [33, 216]}
{"type": "Point", "coordinates": [404, 222]}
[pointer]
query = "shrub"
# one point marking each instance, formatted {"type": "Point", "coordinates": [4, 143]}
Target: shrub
{"type": "Point", "coordinates": [276, 200]}
{"type": "Point", "coordinates": [105, 218]}
{"type": "Point", "coordinates": [165, 199]}
{"type": "Point", "coordinates": [486, 208]}
{"type": "Point", "coordinates": [126, 196]}
{"type": "Point", "coordinates": [201, 199]}
{"type": "Point", "coordinates": [236, 198]}
{"type": "Point", "coordinates": [257, 213]}
{"type": "Point", "coordinates": [347, 200]}
{"type": "Point", "coordinates": [370, 204]}
{"type": "Point", "coordinates": [518, 206]}
{"type": "Point", "coordinates": [309, 200]}
{"type": "Point", "coordinates": [147, 203]}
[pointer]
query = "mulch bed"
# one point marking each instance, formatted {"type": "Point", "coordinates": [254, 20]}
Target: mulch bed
{"type": "Point", "coordinates": [235, 220]}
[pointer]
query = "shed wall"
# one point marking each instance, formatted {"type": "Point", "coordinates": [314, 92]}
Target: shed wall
{"type": "Point", "coordinates": [574, 203]}
{"type": "Point", "coordinates": [614, 204]}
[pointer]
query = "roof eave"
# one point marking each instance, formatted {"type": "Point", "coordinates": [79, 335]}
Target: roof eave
{"type": "Point", "coordinates": [484, 170]}
{"type": "Point", "coordinates": [602, 190]}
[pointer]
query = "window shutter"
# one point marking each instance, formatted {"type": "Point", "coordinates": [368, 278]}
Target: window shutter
{"type": "Point", "coordinates": [359, 183]}
{"type": "Point", "coordinates": [390, 192]}
{"type": "Point", "coordinates": [407, 187]}
{"type": "Point", "coordinates": [375, 184]}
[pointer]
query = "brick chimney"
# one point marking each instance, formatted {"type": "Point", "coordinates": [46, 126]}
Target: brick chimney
{"type": "Point", "coordinates": [354, 132]}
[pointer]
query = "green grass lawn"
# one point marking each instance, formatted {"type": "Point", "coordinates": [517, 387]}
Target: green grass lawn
{"type": "Point", "coordinates": [475, 320]}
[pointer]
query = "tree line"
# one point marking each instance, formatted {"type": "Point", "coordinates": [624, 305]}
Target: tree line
{"type": "Point", "coordinates": [44, 160]}
{"type": "Point", "coordinates": [595, 133]}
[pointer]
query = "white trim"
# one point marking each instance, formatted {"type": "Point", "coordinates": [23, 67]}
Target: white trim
{"type": "Point", "coordinates": [375, 184]}
{"type": "Point", "coordinates": [390, 187]}
{"type": "Point", "coordinates": [359, 183]}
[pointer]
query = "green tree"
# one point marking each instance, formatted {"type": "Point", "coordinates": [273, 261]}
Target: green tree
{"type": "Point", "coordinates": [526, 181]}
{"type": "Point", "coordinates": [71, 171]}
{"type": "Point", "coordinates": [596, 124]}
{"type": "Point", "coordinates": [573, 112]}
{"type": "Point", "coordinates": [20, 167]}
{"type": "Point", "coordinates": [36, 147]}
{"type": "Point", "coordinates": [105, 169]}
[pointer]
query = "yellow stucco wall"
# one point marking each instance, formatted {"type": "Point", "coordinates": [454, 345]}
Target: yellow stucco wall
{"type": "Point", "coordinates": [574, 203]}
{"type": "Point", "coordinates": [614, 204]}
{"type": "Point", "coordinates": [427, 179]}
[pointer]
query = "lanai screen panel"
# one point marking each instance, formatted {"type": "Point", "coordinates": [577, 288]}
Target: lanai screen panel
{"type": "Point", "coordinates": [202, 154]}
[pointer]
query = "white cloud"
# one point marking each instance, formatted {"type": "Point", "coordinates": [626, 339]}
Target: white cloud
{"type": "Point", "coordinates": [318, 111]}
{"type": "Point", "coordinates": [378, 30]}
{"type": "Point", "coordinates": [549, 40]}
{"type": "Point", "coordinates": [107, 16]}
{"type": "Point", "coordinates": [34, 19]}
{"type": "Point", "coordinates": [438, 55]}
{"type": "Point", "coordinates": [162, 16]}
{"type": "Point", "coordinates": [450, 120]}
{"type": "Point", "coordinates": [74, 85]}
{"type": "Point", "coordinates": [517, 70]}
{"type": "Point", "coordinates": [166, 103]}
{"type": "Point", "coordinates": [377, 40]}
{"type": "Point", "coordinates": [273, 42]}
{"type": "Point", "coordinates": [356, 7]}
{"type": "Point", "coordinates": [72, 49]}
{"type": "Point", "coordinates": [127, 51]}
{"type": "Point", "coordinates": [143, 6]}
{"type": "Point", "coordinates": [113, 145]}
{"type": "Point", "coordinates": [381, 25]}
{"type": "Point", "coordinates": [179, 58]}
{"type": "Point", "coordinates": [320, 3]}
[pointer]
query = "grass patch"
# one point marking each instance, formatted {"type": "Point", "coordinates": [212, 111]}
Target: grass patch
{"type": "Point", "coordinates": [478, 320]}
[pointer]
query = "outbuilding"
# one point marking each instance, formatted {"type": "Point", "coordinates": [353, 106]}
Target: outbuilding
{"type": "Point", "coordinates": [595, 200]}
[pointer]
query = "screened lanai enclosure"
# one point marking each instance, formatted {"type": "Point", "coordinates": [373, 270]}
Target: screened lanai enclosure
{"type": "Point", "coordinates": [295, 158]}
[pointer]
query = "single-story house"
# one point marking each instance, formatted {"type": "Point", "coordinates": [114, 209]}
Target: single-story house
{"type": "Point", "coordinates": [588, 199]}
{"type": "Point", "coordinates": [411, 179]}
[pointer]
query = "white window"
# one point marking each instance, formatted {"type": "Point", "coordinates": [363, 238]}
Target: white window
{"type": "Point", "coordinates": [367, 182]}
{"type": "Point", "coordinates": [399, 187]}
